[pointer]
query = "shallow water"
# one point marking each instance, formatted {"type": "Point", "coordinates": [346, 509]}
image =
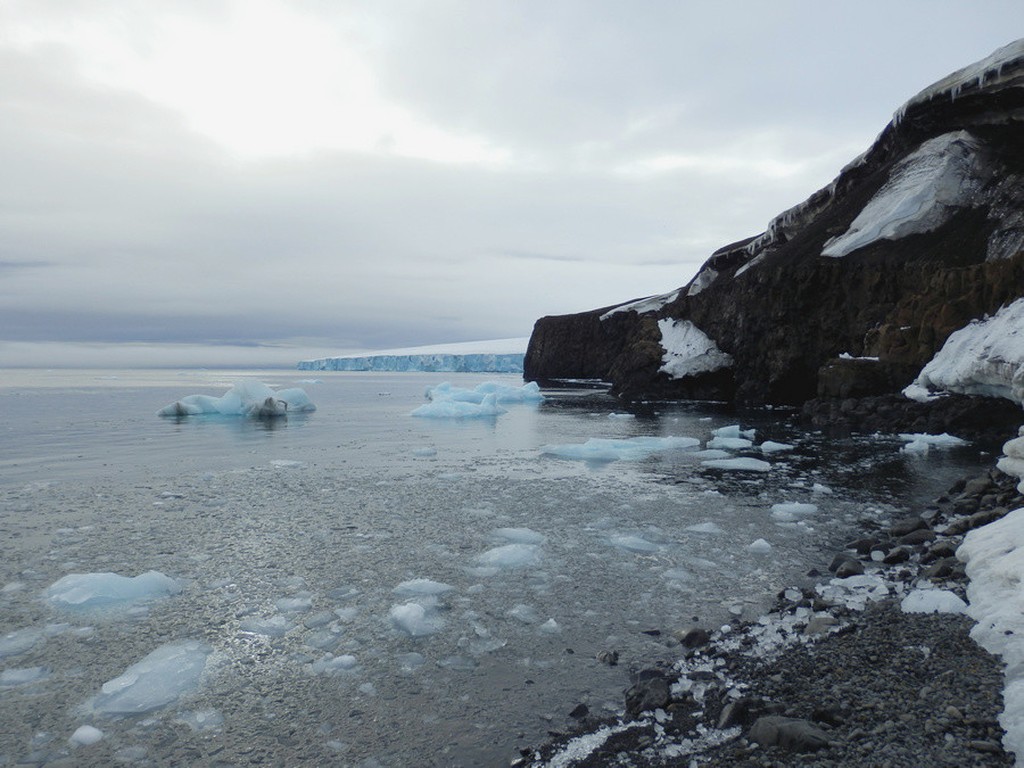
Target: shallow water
{"type": "Point", "coordinates": [307, 526]}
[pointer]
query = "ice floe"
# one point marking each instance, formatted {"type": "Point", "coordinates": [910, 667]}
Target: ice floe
{"type": "Point", "coordinates": [740, 464]}
{"type": "Point", "coordinates": [598, 449]}
{"type": "Point", "coordinates": [920, 444]}
{"type": "Point", "coordinates": [459, 409]}
{"type": "Point", "coordinates": [504, 393]}
{"type": "Point", "coordinates": [159, 679]}
{"type": "Point", "coordinates": [91, 591]}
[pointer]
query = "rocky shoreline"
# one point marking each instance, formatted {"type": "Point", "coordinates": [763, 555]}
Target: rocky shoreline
{"type": "Point", "coordinates": [837, 674]}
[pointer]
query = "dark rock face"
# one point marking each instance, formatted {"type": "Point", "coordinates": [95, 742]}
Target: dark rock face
{"type": "Point", "coordinates": [785, 311]}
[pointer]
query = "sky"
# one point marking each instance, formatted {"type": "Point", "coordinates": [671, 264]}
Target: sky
{"type": "Point", "coordinates": [254, 182]}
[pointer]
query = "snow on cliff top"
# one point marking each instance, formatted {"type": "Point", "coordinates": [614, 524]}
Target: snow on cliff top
{"type": "Point", "coordinates": [995, 69]}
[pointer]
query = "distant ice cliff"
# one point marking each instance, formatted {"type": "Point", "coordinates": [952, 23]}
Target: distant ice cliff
{"type": "Point", "coordinates": [494, 356]}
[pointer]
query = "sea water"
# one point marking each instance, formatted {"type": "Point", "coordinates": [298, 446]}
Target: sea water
{"type": "Point", "coordinates": [357, 586]}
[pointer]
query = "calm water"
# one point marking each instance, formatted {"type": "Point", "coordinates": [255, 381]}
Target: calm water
{"type": "Point", "coordinates": [308, 526]}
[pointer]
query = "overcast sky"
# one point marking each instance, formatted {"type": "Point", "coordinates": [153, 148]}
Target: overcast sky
{"type": "Point", "coordinates": [255, 181]}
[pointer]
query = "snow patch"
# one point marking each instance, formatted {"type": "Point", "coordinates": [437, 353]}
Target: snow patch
{"type": "Point", "coordinates": [688, 350]}
{"type": "Point", "coordinates": [922, 192]}
{"type": "Point", "coordinates": [986, 357]}
{"type": "Point", "coordinates": [642, 306]}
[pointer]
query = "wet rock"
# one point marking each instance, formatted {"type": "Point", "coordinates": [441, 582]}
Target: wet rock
{"type": "Point", "coordinates": [907, 525]}
{"type": "Point", "coordinates": [863, 546]}
{"type": "Point", "coordinates": [694, 638]}
{"type": "Point", "coordinates": [611, 658]}
{"type": "Point", "coordinates": [737, 712]}
{"type": "Point", "coordinates": [788, 733]}
{"type": "Point", "coordinates": [648, 694]}
{"type": "Point", "coordinates": [922, 536]}
{"type": "Point", "coordinates": [843, 565]}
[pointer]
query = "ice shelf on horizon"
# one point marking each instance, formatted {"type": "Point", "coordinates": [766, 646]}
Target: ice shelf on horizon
{"type": "Point", "coordinates": [496, 356]}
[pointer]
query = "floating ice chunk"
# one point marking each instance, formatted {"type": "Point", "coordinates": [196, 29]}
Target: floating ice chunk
{"type": "Point", "coordinates": [245, 398]}
{"type": "Point", "coordinates": [759, 547]}
{"type": "Point", "coordinates": [286, 463]}
{"type": "Point", "coordinates": [821, 489]}
{"type": "Point", "coordinates": [415, 619]}
{"type": "Point", "coordinates": [523, 613]}
{"type": "Point", "coordinates": [622, 416]}
{"type": "Point", "coordinates": [770, 446]}
{"type": "Point", "coordinates": [519, 535]}
{"type": "Point", "coordinates": [708, 527]}
{"type": "Point", "coordinates": [792, 511]}
{"type": "Point", "coordinates": [625, 449]}
{"type": "Point", "coordinates": [742, 464]}
{"type": "Point", "coordinates": [294, 604]}
{"type": "Point", "coordinates": [677, 574]}
{"type": "Point", "coordinates": [410, 662]}
{"type": "Point", "coordinates": [23, 676]}
{"type": "Point", "coordinates": [423, 453]}
{"type": "Point", "coordinates": [504, 393]}
{"type": "Point", "coordinates": [634, 543]}
{"type": "Point", "coordinates": [920, 394]}
{"type": "Point", "coordinates": [734, 430]}
{"type": "Point", "coordinates": [19, 641]}
{"type": "Point", "coordinates": [510, 556]}
{"type": "Point", "coordinates": [85, 735]}
{"type": "Point", "coordinates": [158, 680]}
{"type": "Point", "coordinates": [274, 626]}
{"type": "Point", "coordinates": [421, 587]}
{"type": "Point", "coordinates": [85, 591]}
{"type": "Point", "coordinates": [713, 453]}
{"type": "Point", "coordinates": [933, 601]}
{"type": "Point", "coordinates": [201, 719]}
{"type": "Point", "coordinates": [333, 665]}
{"type": "Point", "coordinates": [729, 443]}
{"type": "Point", "coordinates": [921, 443]}
{"type": "Point", "coordinates": [549, 627]}
{"type": "Point", "coordinates": [457, 409]}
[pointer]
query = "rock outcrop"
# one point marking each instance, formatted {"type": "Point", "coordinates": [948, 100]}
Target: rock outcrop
{"type": "Point", "coordinates": [850, 293]}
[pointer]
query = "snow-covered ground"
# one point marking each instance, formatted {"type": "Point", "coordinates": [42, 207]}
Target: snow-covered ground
{"type": "Point", "coordinates": [493, 356]}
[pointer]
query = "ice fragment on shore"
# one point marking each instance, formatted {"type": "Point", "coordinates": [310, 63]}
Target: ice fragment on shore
{"type": "Point", "coordinates": [85, 591]}
{"type": "Point", "coordinates": [156, 681]}
{"type": "Point", "coordinates": [932, 601]}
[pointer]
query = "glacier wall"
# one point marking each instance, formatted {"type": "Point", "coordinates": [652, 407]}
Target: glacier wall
{"type": "Point", "coordinates": [439, 362]}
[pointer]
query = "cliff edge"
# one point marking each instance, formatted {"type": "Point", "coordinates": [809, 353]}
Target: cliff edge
{"type": "Point", "coordinates": [849, 294]}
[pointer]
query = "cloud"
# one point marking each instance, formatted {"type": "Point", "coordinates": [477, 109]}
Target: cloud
{"type": "Point", "coordinates": [430, 171]}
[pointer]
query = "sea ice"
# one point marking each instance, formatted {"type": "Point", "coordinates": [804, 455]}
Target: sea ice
{"type": "Point", "coordinates": [792, 511]}
{"type": "Point", "coordinates": [23, 676]}
{"type": "Point", "coordinates": [201, 719]}
{"type": "Point", "coordinates": [708, 527]}
{"type": "Point", "coordinates": [245, 398]}
{"type": "Point", "coordinates": [332, 665]}
{"type": "Point", "coordinates": [742, 464]}
{"type": "Point", "coordinates": [759, 547]}
{"type": "Point", "coordinates": [457, 409]}
{"type": "Point", "coordinates": [515, 555]}
{"type": "Point", "coordinates": [921, 443]}
{"type": "Point", "coordinates": [634, 543]}
{"type": "Point", "coordinates": [158, 680]}
{"type": "Point", "coordinates": [86, 591]}
{"type": "Point", "coordinates": [274, 626]}
{"type": "Point", "coordinates": [85, 735]}
{"type": "Point", "coordinates": [734, 430]}
{"type": "Point", "coordinates": [619, 449]}
{"type": "Point", "coordinates": [770, 446]}
{"type": "Point", "coordinates": [421, 587]}
{"type": "Point", "coordinates": [415, 619]}
{"type": "Point", "coordinates": [519, 535]}
{"type": "Point", "coordinates": [729, 443]}
{"type": "Point", "coordinates": [19, 641]}
{"type": "Point", "coordinates": [504, 393]}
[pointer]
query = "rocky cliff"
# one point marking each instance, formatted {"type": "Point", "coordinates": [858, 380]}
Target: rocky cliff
{"type": "Point", "coordinates": [851, 292]}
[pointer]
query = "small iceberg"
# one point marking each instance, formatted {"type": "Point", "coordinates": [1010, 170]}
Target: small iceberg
{"type": "Point", "coordinates": [459, 409]}
{"type": "Point", "coordinates": [90, 591]}
{"type": "Point", "coordinates": [156, 681]}
{"type": "Point", "coordinates": [245, 398]}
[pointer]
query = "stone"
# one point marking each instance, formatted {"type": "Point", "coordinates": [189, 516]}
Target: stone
{"type": "Point", "coordinates": [694, 638]}
{"type": "Point", "coordinates": [907, 525]}
{"type": "Point", "coordinates": [788, 733]}
{"type": "Point", "coordinates": [922, 536]}
{"type": "Point", "coordinates": [647, 695]}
